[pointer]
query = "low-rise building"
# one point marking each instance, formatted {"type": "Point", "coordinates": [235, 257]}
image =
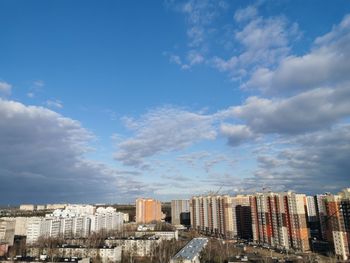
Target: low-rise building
{"type": "Point", "coordinates": [165, 235]}
{"type": "Point", "coordinates": [7, 231]}
{"type": "Point", "coordinates": [133, 246]}
{"type": "Point", "coordinates": [191, 252]}
{"type": "Point", "coordinates": [27, 207]}
{"type": "Point", "coordinates": [106, 254]}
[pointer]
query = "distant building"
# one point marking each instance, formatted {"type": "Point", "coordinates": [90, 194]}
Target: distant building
{"type": "Point", "coordinates": [126, 217]}
{"type": "Point", "coordinates": [81, 210]}
{"type": "Point", "coordinates": [40, 207]}
{"type": "Point", "coordinates": [7, 231]}
{"type": "Point", "coordinates": [191, 252]}
{"type": "Point", "coordinates": [55, 206]}
{"type": "Point", "coordinates": [148, 210]}
{"type": "Point", "coordinates": [212, 215]}
{"type": "Point", "coordinates": [27, 207]}
{"type": "Point", "coordinates": [178, 207]}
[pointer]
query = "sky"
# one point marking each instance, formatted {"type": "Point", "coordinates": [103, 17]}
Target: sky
{"type": "Point", "coordinates": [107, 101]}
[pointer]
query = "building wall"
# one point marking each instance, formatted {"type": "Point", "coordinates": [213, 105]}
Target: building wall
{"type": "Point", "coordinates": [280, 220]}
{"type": "Point", "coordinates": [178, 207]}
{"type": "Point", "coordinates": [33, 229]}
{"type": "Point", "coordinates": [338, 222]}
{"type": "Point", "coordinates": [148, 210]}
{"type": "Point", "coordinates": [241, 216]}
{"type": "Point", "coordinates": [7, 231]}
{"type": "Point", "coordinates": [212, 215]}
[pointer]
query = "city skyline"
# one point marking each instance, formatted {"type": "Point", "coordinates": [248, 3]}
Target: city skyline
{"type": "Point", "coordinates": [111, 101]}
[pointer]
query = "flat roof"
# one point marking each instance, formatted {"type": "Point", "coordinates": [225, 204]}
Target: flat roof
{"type": "Point", "coordinates": [192, 249]}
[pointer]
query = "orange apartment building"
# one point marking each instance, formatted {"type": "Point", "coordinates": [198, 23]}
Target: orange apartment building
{"type": "Point", "coordinates": [148, 210]}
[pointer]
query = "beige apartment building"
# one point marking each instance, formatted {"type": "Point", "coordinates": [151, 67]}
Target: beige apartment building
{"type": "Point", "coordinates": [212, 215]}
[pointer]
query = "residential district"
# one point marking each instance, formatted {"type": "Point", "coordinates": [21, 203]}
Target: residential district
{"type": "Point", "coordinates": [259, 227]}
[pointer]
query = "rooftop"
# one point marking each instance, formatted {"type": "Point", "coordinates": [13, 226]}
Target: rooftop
{"type": "Point", "coordinates": [192, 249]}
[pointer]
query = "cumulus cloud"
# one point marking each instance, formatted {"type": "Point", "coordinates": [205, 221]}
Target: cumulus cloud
{"type": "Point", "coordinates": [163, 130]}
{"type": "Point", "coordinates": [199, 16]}
{"type": "Point", "coordinates": [236, 134]}
{"type": "Point", "coordinates": [327, 63]}
{"type": "Point", "coordinates": [42, 158]}
{"type": "Point", "coordinates": [308, 111]}
{"type": "Point", "coordinates": [5, 88]}
{"type": "Point", "coordinates": [264, 42]}
{"type": "Point", "coordinates": [319, 159]}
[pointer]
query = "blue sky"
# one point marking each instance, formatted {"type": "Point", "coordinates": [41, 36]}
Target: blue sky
{"type": "Point", "coordinates": [105, 101]}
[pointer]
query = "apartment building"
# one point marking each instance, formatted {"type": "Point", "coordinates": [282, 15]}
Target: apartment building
{"type": "Point", "coordinates": [177, 208]}
{"type": "Point", "coordinates": [7, 231]}
{"type": "Point", "coordinates": [280, 220]}
{"type": "Point", "coordinates": [148, 210]}
{"type": "Point", "coordinates": [106, 219]}
{"type": "Point", "coordinates": [338, 222]}
{"type": "Point", "coordinates": [212, 215]}
{"type": "Point", "coordinates": [241, 216]}
{"type": "Point", "coordinates": [33, 229]}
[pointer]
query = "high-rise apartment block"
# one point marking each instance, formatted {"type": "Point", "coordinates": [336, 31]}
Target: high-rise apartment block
{"type": "Point", "coordinates": [148, 210]}
{"type": "Point", "coordinates": [212, 215]}
{"type": "Point", "coordinates": [321, 212]}
{"type": "Point", "coordinates": [311, 207]}
{"type": "Point", "coordinates": [106, 219]}
{"type": "Point", "coordinates": [74, 221]}
{"type": "Point", "coordinates": [338, 222]}
{"type": "Point", "coordinates": [242, 219]}
{"type": "Point", "coordinates": [178, 207]}
{"type": "Point", "coordinates": [33, 229]}
{"type": "Point", "coordinates": [280, 220]}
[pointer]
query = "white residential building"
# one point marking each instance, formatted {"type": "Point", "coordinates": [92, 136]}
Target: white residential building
{"type": "Point", "coordinates": [33, 229]}
{"type": "Point", "coordinates": [106, 219]}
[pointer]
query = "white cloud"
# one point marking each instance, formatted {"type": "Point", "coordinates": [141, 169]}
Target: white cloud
{"type": "Point", "coordinates": [42, 159]}
{"type": "Point", "coordinates": [195, 57]}
{"type": "Point", "coordinates": [309, 111]}
{"type": "Point", "coordinates": [246, 13]}
{"type": "Point", "coordinates": [30, 95]}
{"type": "Point", "coordinates": [175, 59]}
{"type": "Point", "coordinates": [236, 134]}
{"type": "Point", "coordinates": [54, 104]}
{"type": "Point", "coordinates": [39, 83]}
{"type": "Point", "coordinates": [5, 88]}
{"type": "Point", "coordinates": [327, 63]}
{"type": "Point", "coordinates": [264, 41]}
{"type": "Point", "coordinates": [163, 130]}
